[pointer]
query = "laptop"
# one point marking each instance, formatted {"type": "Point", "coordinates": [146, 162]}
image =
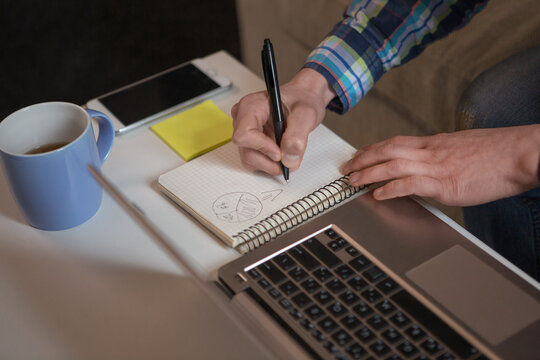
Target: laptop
{"type": "Point", "coordinates": [371, 280]}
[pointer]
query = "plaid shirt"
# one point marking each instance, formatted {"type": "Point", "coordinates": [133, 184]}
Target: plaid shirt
{"type": "Point", "coordinates": [377, 35]}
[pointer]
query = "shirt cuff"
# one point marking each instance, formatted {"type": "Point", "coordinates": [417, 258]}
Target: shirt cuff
{"type": "Point", "coordinates": [349, 63]}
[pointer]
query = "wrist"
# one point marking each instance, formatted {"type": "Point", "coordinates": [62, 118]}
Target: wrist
{"type": "Point", "coordinates": [532, 140]}
{"type": "Point", "coordinates": [314, 83]}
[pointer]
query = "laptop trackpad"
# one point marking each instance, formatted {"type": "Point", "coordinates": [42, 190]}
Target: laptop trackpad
{"type": "Point", "coordinates": [474, 292]}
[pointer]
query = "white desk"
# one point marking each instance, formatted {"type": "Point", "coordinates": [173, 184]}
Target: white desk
{"type": "Point", "coordinates": [104, 289]}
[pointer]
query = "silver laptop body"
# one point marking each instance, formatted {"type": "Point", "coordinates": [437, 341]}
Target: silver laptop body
{"type": "Point", "coordinates": [373, 279]}
{"type": "Point", "coordinates": [415, 273]}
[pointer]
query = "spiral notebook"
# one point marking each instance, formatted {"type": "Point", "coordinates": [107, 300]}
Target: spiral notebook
{"type": "Point", "coordinates": [247, 209]}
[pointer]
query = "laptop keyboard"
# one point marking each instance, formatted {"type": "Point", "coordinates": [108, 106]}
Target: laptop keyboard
{"type": "Point", "coordinates": [352, 308]}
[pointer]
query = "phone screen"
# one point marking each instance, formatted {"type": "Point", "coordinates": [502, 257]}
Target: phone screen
{"type": "Point", "coordinates": [160, 93]}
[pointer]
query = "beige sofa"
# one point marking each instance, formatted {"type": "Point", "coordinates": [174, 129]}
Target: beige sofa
{"type": "Point", "coordinates": [418, 98]}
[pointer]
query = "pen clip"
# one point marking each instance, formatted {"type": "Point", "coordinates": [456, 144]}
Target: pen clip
{"type": "Point", "coordinates": [266, 67]}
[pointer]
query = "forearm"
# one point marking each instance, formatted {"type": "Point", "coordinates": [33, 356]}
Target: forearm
{"type": "Point", "coordinates": [373, 37]}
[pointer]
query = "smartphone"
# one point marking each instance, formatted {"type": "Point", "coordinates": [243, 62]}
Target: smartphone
{"type": "Point", "coordinates": [156, 96]}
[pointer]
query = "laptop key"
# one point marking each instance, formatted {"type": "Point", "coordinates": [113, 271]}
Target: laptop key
{"type": "Point", "coordinates": [284, 261]}
{"type": "Point", "coordinates": [371, 295]}
{"type": "Point", "coordinates": [323, 274]}
{"type": "Point", "coordinates": [285, 303]}
{"type": "Point", "coordinates": [272, 272]}
{"type": "Point", "coordinates": [331, 234]}
{"type": "Point", "coordinates": [388, 285]}
{"type": "Point", "coordinates": [415, 332]}
{"type": "Point", "coordinates": [296, 314]}
{"type": "Point", "coordinates": [298, 273]}
{"type": "Point", "coordinates": [432, 346]}
{"type": "Point", "coordinates": [323, 297]}
{"type": "Point", "coordinates": [254, 274]}
{"type": "Point", "coordinates": [335, 286]}
{"type": "Point", "coordinates": [374, 274]}
{"type": "Point", "coordinates": [328, 345]}
{"type": "Point", "coordinates": [365, 335]}
{"type": "Point", "coordinates": [328, 324]}
{"type": "Point", "coordinates": [400, 319]}
{"type": "Point", "coordinates": [377, 322]}
{"type": "Point", "coordinates": [350, 321]}
{"type": "Point", "coordinates": [362, 309]}
{"type": "Point", "coordinates": [357, 283]}
{"type": "Point", "coordinates": [349, 297]}
{"type": "Point", "coordinates": [317, 334]}
{"type": "Point", "coordinates": [263, 283]}
{"type": "Point", "coordinates": [311, 285]}
{"type": "Point", "coordinates": [342, 337]}
{"type": "Point", "coordinates": [385, 307]}
{"type": "Point", "coordinates": [337, 309]}
{"type": "Point", "coordinates": [314, 312]}
{"type": "Point", "coordinates": [274, 293]}
{"type": "Point", "coordinates": [359, 262]}
{"type": "Point", "coordinates": [301, 300]}
{"type": "Point", "coordinates": [352, 251]}
{"type": "Point", "coordinates": [356, 351]}
{"type": "Point", "coordinates": [305, 258]}
{"type": "Point", "coordinates": [308, 325]}
{"type": "Point", "coordinates": [322, 252]}
{"type": "Point", "coordinates": [392, 335]}
{"type": "Point", "coordinates": [379, 348]}
{"type": "Point", "coordinates": [337, 244]}
{"type": "Point", "coordinates": [345, 272]}
{"type": "Point", "coordinates": [289, 288]}
{"type": "Point", "coordinates": [407, 349]}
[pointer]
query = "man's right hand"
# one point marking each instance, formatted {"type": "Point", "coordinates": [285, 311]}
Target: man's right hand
{"type": "Point", "coordinates": [304, 101]}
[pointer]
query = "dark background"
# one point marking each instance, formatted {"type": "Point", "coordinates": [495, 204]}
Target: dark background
{"type": "Point", "coordinates": [73, 51]}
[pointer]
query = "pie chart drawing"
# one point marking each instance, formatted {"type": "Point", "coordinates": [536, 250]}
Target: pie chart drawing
{"type": "Point", "coordinates": [237, 207]}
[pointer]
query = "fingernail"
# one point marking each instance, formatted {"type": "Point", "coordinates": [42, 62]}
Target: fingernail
{"type": "Point", "coordinates": [291, 161]}
{"type": "Point", "coordinates": [377, 193]}
{"type": "Point", "coordinates": [345, 169]}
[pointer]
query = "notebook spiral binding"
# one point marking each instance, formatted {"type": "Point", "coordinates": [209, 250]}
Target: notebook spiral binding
{"type": "Point", "coordinates": [296, 213]}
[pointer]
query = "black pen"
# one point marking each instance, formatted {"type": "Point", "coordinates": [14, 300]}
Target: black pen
{"type": "Point", "coordinates": [272, 86]}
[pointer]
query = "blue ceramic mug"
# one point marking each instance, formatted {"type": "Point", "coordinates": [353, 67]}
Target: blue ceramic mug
{"type": "Point", "coordinates": [45, 149]}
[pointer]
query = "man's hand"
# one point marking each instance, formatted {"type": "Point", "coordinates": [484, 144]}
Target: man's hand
{"type": "Point", "coordinates": [463, 168]}
{"type": "Point", "coordinates": [304, 100]}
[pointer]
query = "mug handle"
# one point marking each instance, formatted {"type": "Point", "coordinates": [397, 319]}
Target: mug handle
{"type": "Point", "coordinates": [106, 133]}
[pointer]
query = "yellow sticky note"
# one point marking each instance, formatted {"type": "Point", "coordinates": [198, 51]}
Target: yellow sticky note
{"type": "Point", "coordinates": [195, 131]}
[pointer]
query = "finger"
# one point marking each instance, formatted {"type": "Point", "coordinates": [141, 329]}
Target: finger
{"type": "Point", "coordinates": [257, 141]}
{"type": "Point", "coordinates": [252, 108]}
{"type": "Point", "coordinates": [255, 160]}
{"type": "Point", "coordinates": [300, 122]}
{"type": "Point", "coordinates": [234, 111]}
{"type": "Point", "coordinates": [393, 169]}
{"type": "Point", "coordinates": [250, 117]}
{"type": "Point", "coordinates": [383, 153]}
{"type": "Point", "coordinates": [412, 185]}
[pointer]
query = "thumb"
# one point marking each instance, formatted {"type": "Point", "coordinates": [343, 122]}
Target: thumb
{"type": "Point", "coordinates": [300, 122]}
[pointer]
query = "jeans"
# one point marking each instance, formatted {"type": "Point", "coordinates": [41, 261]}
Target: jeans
{"type": "Point", "coordinates": [508, 94]}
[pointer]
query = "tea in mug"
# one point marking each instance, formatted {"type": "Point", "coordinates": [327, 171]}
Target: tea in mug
{"type": "Point", "coordinates": [46, 148]}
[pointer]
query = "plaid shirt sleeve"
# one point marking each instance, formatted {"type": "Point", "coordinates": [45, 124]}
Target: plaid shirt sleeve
{"type": "Point", "coordinates": [377, 35]}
